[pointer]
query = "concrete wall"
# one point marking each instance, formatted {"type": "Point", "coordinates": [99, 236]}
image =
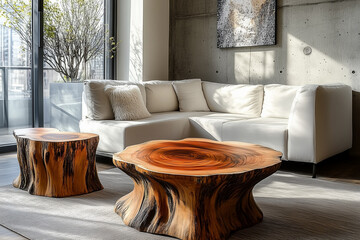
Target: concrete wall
{"type": "Point", "coordinates": [331, 28]}
{"type": "Point", "coordinates": [143, 35]}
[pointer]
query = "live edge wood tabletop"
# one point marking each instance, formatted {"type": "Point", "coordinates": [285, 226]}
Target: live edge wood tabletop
{"type": "Point", "coordinates": [193, 188]}
{"type": "Point", "coordinates": [56, 164]}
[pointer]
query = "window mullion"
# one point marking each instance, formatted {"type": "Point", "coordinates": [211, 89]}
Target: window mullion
{"type": "Point", "coordinates": [37, 63]}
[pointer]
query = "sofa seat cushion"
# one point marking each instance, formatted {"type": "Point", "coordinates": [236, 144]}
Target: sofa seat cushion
{"type": "Point", "coordinates": [241, 99]}
{"type": "Point", "coordinates": [210, 125]}
{"type": "Point", "coordinates": [115, 136]}
{"type": "Point", "coordinates": [268, 132]}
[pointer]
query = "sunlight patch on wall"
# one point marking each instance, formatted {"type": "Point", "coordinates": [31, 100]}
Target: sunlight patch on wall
{"type": "Point", "coordinates": [241, 67]}
{"type": "Point", "coordinates": [316, 67]}
{"type": "Point", "coordinates": [136, 41]}
{"type": "Point", "coordinates": [254, 67]}
{"type": "Point", "coordinates": [262, 67]}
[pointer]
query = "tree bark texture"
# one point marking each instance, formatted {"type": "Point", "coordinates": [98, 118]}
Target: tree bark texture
{"type": "Point", "coordinates": [56, 164]}
{"type": "Point", "coordinates": [193, 188]}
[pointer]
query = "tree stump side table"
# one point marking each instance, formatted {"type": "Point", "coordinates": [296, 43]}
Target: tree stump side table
{"type": "Point", "coordinates": [193, 188]}
{"type": "Point", "coordinates": [56, 164]}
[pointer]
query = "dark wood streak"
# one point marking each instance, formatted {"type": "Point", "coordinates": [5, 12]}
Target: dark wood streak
{"type": "Point", "coordinates": [56, 166]}
{"type": "Point", "coordinates": [92, 179]}
{"type": "Point", "coordinates": [194, 188]}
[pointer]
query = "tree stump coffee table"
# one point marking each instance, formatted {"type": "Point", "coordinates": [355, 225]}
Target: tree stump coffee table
{"type": "Point", "coordinates": [56, 164]}
{"type": "Point", "coordinates": [193, 188]}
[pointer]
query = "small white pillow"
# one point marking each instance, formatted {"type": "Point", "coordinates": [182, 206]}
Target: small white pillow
{"type": "Point", "coordinates": [127, 102]}
{"type": "Point", "coordinates": [160, 97]}
{"type": "Point", "coordinates": [278, 100]}
{"type": "Point", "coordinates": [190, 95]}
{"type": "Point", "coordinates": [243, 99]}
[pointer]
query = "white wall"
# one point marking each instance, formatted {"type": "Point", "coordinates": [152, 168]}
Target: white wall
{"type": "Point", "coordinates": [156, 39]}
{"type": "Point", "coordinates": [123, 37]}
{"type": "Point", "coordinates": [143, 35]}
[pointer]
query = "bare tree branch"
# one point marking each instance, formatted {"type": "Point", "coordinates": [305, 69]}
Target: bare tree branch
{"type": "Point", "coordinates": [73, 32]}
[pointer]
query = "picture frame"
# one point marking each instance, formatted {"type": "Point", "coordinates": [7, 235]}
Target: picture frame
{"type": "Point", "coordinates": [246, 23]}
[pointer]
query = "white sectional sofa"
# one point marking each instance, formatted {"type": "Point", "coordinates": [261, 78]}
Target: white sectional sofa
{"type": "Point", "coordinates": [306, 123]}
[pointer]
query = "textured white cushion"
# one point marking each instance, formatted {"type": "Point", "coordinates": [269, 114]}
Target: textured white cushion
{"type": "Point", "coordinates": [97, 102]}
{"type": "Point", "coordinates": [242, 99]}
{"type": "Point", "coordinates": [126, 102]}
{"type": "Point", "coordinates": [160, 96]}
{"type": "Point", "coordinates": [190, 95]}
{"type": "Point", "coordinates": [278, 100]}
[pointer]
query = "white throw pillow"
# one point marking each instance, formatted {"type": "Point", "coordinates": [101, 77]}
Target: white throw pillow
{"type": "Point", "coordinates": [160, 96]}
{"type": "Point", "coordinates": [278, 100]}
{"type": "Point", "coordinates": [242, 99]}
{"type": "Point", "coordinates": [126, 102]}
{"type": "Point", "coordinates": [190, 95]}
{"type": "Point", "coordinates": [97, 102]}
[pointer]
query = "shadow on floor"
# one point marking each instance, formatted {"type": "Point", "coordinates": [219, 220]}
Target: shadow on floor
{"type": "Point", "coordinates": [341, 167]}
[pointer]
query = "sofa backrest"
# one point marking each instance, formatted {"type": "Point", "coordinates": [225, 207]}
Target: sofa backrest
{"type": "Point", "coordinates": [242, 99]}
{"type": "Point", "coordinates": [278, 100]}
{"type": "Point", "coordinates": [273, 100]}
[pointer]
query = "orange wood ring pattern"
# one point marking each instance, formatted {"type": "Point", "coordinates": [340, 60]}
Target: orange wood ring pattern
{"type": "Point", "coordinates": [56, 164]}
{"type": "Point", "coordinates": [193, 188]}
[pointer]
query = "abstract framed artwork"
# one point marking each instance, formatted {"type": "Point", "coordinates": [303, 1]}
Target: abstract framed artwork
{"type": "Point", "coordinates": [245, 23]}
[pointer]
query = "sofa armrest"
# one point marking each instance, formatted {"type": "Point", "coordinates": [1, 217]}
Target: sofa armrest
{"type": "Point", "coordinates": [320, 122]}
{"type": "Point", "coordinates": [301, 128]}
{"type": "Point", "coordinates": [334, 120]}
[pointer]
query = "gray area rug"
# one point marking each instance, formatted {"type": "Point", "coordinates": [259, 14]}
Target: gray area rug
{"type": "Point", "coordinates": [294, 207]}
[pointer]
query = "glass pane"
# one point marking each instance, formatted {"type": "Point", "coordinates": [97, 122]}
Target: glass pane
{"type": "Point", "coordinates": [15, 68]}
{"type": "Point", "coordinates": [75, 29]}
{"type": "Point", "coordinates": [19, 100]}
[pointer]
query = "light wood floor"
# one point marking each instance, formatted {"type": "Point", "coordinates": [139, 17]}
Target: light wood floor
{"type": "Point", "coordinates": [341, 168]}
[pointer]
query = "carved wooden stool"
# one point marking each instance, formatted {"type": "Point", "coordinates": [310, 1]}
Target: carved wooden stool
{"type": "Point", "coordinates": [56, 164]}
{"type": "Point", "coordinates": [193, 188]}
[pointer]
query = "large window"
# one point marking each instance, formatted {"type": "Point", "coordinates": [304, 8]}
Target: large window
{"type": "Point", "coordinates": [15, 74]}
{"type": "Point", "coordinates": [41, 75]}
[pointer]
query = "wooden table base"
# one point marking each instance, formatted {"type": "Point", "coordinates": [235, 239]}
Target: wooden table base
{"type": "Point", "coordinates": [185, 202]}
{"type": "Point", "coordinates": [56, 164]}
